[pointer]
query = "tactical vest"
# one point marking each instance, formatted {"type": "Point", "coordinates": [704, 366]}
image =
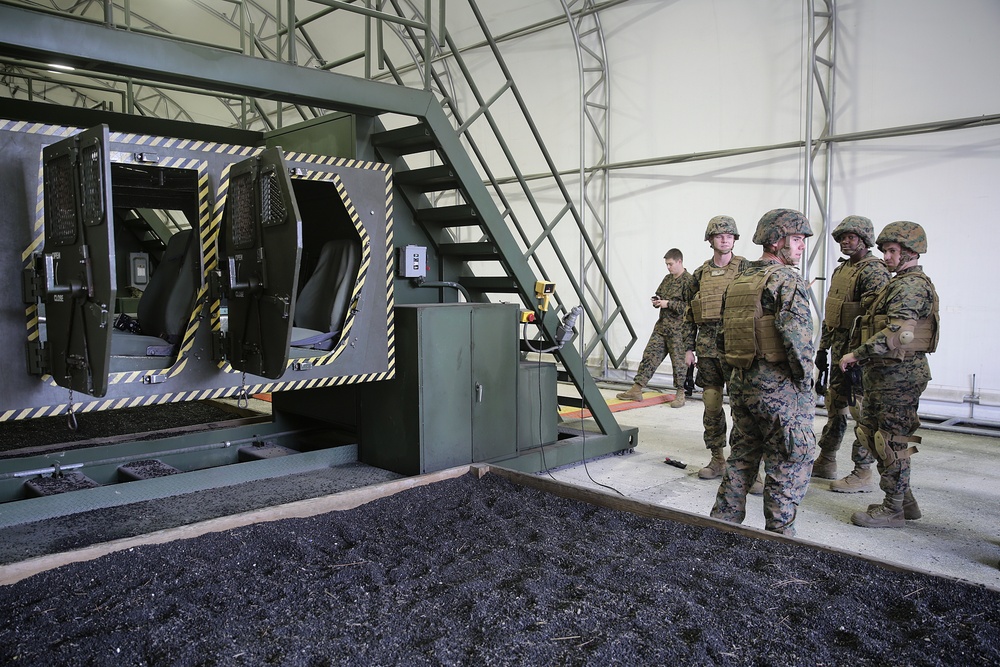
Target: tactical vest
{"type": "Point", "coordinates": [750, 334]}
{"type": "Point", "coordinates": [925, 330]}
{"type": "Point", "coordinates": [706, 306]}
{"type": "Point", "coordinates": [843, 303]}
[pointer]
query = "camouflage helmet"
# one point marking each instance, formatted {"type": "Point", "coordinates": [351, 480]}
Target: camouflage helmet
{"type": "Point", "coordinates": [721, 224]}
{"type": "Point", "coordinates": [779, 223]}
{"type": "Point", "coordinates": [856, 224]}
{"type": "Point", "coordinates": [909, 235]}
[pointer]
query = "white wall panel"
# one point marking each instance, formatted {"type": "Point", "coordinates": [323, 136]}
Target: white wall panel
{"type": "Point", "coordinates": [691, 76]}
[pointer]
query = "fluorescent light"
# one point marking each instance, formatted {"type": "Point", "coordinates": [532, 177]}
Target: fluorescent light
{"type": "Point", "coordinates": [67, 68]}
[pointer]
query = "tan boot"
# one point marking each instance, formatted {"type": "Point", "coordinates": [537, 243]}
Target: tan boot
{"type": "Point", "coordinates": [887, 514]}
{"type": "Point", "coordinates": [757, 489]}
{"type": "Point", "coordinates": [633, 394]}
{"type": "Point", "coordinates": [716, 466]}
{"type": "Point", "coordinates": [911, 510]}
{"type": "Point", "coordinates": [860, 480]}
{"type": "Point", "coordinates": [825, 466]}
{"type": "Point", "coordinates": [678, 401]}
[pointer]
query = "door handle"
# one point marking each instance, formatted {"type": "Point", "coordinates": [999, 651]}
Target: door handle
{"type": "Point", "coordinates": [73, 288]}
{"type": "Point", "coordinates": [479, 393]}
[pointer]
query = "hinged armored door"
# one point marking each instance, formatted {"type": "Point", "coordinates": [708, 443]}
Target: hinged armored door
{"type": "Point", "coordinates": [78, 260]}
{"type": "Point", "coordinates": [262, 252]}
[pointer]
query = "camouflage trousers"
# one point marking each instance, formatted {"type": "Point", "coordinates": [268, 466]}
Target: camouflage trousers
{"type": "Point", "coordinates": [837, 394]}
{"type": "Point", "coordinates": [773, 424]}
{"type": "Point", "coordinates": [891, 407]}
{"type": "Point", "coordinates": [713, 372]}
{"type": "Point", "coordinates": [663, 341]}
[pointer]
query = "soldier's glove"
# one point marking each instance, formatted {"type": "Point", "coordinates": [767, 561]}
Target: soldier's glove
{"type": "Point", "coordinates": [689, 382]}
{"type": "Point", "coordinates": [823, 365]}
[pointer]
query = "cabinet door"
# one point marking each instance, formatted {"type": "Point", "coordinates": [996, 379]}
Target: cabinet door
{"type": "Point", "coordinates": [445, 391]}
{"type": "Point", "coordinates": [494, 381]}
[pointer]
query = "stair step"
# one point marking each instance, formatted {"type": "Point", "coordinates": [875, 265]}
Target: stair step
{"type": "Point", "coordinates": [40, 487]}
{"type": "Point", "coordinates": [406, 140]}
{"type": "Point", "coordinates": [145, 469]}
{"type": "Point", "coordinates": [470, 251]}
{"type": "Point", "coordinates": [429, 179]}
{"type": "Point", "coordinates": [489, 283]}
{"type": "Point", "coordinates": [461, 215]}
{"type": "Point", "coordinates": [571, 401]}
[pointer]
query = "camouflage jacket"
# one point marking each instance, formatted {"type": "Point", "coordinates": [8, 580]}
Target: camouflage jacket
{"type": "Point", "coordinates": [786, 296]}
{"type": "Point", "coordinates": [909, 295]}
{"type": "Point", "coordinates": [678, 290]}
{"type": "Point", "coordinates": [872, 276]}
{"type": "Point", "coordinates": [702, 338]}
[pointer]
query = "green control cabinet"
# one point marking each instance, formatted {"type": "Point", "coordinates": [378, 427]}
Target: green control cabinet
{"type": "Point", "coordinates": [454, 398]}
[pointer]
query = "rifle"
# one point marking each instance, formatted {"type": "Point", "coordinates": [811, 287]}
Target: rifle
{"type": "Point", "coordinates": [823, 365]}
{"type": "Point", "coordinates": [853, 378]}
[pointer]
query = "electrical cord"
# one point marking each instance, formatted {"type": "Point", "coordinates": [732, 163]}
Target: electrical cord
{"type": "Point", "coordinates": [563, 334]}
{"type": "Point", "coordinates": [583, 408]}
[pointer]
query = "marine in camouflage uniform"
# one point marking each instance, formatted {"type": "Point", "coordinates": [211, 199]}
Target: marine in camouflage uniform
{"type": "Point", "coordinates": [670, 333]}
{"type": "Point", "coordinates": [852, 287]}
{"type": "Point", "coordinates": [705, 317]}
{"type": "Point", "coordinates": [899, 329]}
{"type": "Point", "coordinates": [768, 332]}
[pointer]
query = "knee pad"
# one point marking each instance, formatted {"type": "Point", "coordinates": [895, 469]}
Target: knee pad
{"type": "Point", "coordinates": [885, 452]}
{"type": "Point", "coordinates": [712, 398]}
{"type": "Point", "coordinates": [832, 398]}
{"type": "Point", "coordinates": [882, 449]}
{"type": "Point", "coordinates": [855, 409]}
{"type": "Point", "coordinates": [864, 437]}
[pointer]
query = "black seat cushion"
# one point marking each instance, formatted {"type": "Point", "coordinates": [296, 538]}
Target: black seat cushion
{"type": "Point", "coordinates": [323, 302]}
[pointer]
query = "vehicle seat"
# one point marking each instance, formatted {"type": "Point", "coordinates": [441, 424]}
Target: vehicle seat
{"type": "Point", "coordinates": [165, 306]}
{"type": "Point", "coordinates": [321, 307]}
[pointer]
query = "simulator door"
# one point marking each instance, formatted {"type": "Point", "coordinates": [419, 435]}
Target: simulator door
{"type": "Point", "coordinates": [262, 251]}
{"type": "Point", "coordinates": [79, 259]}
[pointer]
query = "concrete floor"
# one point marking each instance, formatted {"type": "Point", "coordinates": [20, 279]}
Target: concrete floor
{"type": "Point", "coordinates": [956, 480]}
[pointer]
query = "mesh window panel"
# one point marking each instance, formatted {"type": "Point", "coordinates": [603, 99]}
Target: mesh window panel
{"type": "Point", "coordinates": [272, 205]}
{"type": "Point", "coordinates": [60, 218]}
{"type": "Point", "coordinates": [93, 190]}
{"type": "Point", "coordinates": [241, 206]}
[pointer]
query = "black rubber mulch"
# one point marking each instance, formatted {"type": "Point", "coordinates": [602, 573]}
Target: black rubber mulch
{"type": "Point", "coordinates": [484, 572]}
{"type": "Point", "coordinates": [15, 435]}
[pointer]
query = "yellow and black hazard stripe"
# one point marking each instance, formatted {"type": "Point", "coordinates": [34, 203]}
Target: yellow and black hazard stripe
{"type": "Point", "coordinates": [390, 279]}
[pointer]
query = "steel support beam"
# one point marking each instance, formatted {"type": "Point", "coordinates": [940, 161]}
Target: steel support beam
{"type": "Point", "coordinates": [45, 38]}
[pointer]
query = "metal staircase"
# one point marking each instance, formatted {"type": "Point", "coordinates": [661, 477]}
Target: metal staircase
{"type": "Point", "coordinates": [434, 140]}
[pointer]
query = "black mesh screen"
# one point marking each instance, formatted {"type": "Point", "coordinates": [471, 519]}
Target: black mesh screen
{"type": "Point", "coordinates": [91, 171]}
{"type": "Point", "coordinates": [272, 205]}
{"type": "Point", "coordinates": [60, 202]}
{"type": "Point", "coordinates": [240, 204]}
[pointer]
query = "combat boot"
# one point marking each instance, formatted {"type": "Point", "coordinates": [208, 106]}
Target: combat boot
{"type": "Point", "coordinates": [678, 401]}
{"type": "Point", "coordinates": [911, 510]}
{"type": "Point", "coordinates": [716, 466]}
{"type": "Point", "coordinates": [860, 480]}
{"type": "Point", "coordinates": [633, 394]}
{"type": "Point", "coordinates": [757, 488]}
{"type": "Point", "coordinates": [887, 514]}
{"type": "Point", "coordinates": [825, 466]}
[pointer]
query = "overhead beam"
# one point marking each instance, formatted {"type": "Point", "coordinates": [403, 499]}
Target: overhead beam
{"type": "Point", "coordinates": [44, 38]}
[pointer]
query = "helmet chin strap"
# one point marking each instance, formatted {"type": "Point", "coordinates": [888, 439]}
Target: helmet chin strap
{"type": "Point", "coordinates": [785, 255]}
{"type": "Point", "coordinates": [906, 260]}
